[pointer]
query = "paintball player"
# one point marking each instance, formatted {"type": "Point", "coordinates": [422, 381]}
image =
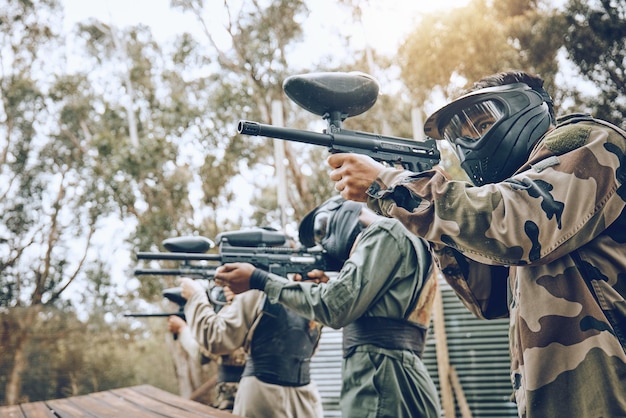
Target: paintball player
{"type": "Point", "coordinates": [279, 345]}
{"type": "Point", "coordinates": [382, 297]}
{"type": "Point", "coordinates": [539, 235]}
{"type": "Point", "coordinates": [229, 366]}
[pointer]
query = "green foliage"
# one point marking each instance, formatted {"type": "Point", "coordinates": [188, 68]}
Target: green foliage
{"type": "Point", "coordinates": [70, 357]}
{"type": "Point", "coordinates": [448, 50]}
{"type": "Point", "coordinates": [596, 42]}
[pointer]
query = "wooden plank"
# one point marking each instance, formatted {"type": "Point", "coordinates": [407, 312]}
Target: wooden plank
{"type": "Point", "coordinates": [11, 411]}
{"type": "Point", "coordinates": [466, 412]}
{"type": "Point", "coordinates": [151, 405]}
{"type": "Point", "coordinates": [67, 409]}
{"type": "Point", "coordinates": [443, 360]}
{"type": "Point", "coordinates": [160, 401]}
{"type": "Point", "coordinates": [142, 401]}
{"type": "Point", "coordinates": [37, 410]}
{"type": "Point", "coordinates": [118, 403]}
{"type": "Point", "coordinates": [107, 405]}
{"type": "Point", "coordinates": [182, 403]}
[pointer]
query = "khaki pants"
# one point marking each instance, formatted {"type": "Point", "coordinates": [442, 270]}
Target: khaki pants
{"type": "Point", "coordinates": [256, 399]}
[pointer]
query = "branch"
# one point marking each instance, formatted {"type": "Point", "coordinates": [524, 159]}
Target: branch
{"type": "Point", "coordinates": [51, 241]}
{"type": "Point", "coordinates": [56, 294]}
{"type": "Point", "coordinates": [302, 185]}
{"type": "Point", "coordinates": [130, 90]}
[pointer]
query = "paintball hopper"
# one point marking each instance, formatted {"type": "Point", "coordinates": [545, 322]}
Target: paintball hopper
{"type": "Point", "coordinates": [188, 244]}
{"type": "Point", "coordinates": [254, 237]}
{"type": "Point", "coordinates": [174, 294]}
{"type": "Point", "coordinates": [325, 94]}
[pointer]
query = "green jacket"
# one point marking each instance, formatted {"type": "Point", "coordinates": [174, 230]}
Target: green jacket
{"type": "Point", "coordinates": [532, 247]}
{"type": "Point", "coordinates": [388, 275]}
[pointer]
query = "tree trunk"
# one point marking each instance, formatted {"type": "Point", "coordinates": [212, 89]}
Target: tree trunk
{"type": "Point", "coordinates": [20, 334]}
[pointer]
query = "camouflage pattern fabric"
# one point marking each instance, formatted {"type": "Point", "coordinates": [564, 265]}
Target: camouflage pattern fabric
{"type": "Point", "coordinates": [546, 247]}
{"type": "Point", "coordinates": [225, 391]}
{"type": "Point", "coordinates": [225, 395]}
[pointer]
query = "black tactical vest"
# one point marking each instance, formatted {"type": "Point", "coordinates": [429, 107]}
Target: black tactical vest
{"type": "Point", "coordinates": [281, 347]}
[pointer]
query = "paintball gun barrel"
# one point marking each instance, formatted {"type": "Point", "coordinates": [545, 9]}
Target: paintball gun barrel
{"type": "Point", "coordinates": [266, 249]}
{"type": "Point", "coordinates": [185, 249]}
{"type": "Point", "coordinates": [192, 271]}
{"type": "Point", "coordinates": [174, 295]}
{"type": "Point", "coordinates": [335, 97]}
{"type": "Point", "coordinates": [179, 314]}
{"type": "Point", "coordinates": [182, 249]}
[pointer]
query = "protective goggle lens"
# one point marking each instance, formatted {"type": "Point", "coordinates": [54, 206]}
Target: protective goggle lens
{"type": "Point", "coordinates": [320, 226]}
{"type": "Point", "coordinates": [473, 122]}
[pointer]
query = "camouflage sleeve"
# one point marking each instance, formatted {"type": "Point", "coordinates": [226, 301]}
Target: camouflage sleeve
{"type": "Point", "coordinates": [567, 194]}
{"type": "Point", "coordinates": [481, 288]}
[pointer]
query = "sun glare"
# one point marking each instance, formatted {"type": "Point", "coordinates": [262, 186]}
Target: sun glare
{"type": "Point", "coordinates": [385, 23]}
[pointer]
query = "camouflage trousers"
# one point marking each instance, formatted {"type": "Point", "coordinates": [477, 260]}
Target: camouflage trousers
{"type": "Point", "coordinates": [225, 395]}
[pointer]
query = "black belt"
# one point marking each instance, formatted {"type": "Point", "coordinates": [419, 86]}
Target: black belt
{"type": "Point", "coordinates": [229, 373]}
{"type": "Point", "coordinates": [279, 371]}
{"type": "Point", "coordinates": [389, 333]}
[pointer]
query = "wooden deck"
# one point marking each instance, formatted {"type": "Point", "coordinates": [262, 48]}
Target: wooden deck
{"type": "Point", "coordinates": [142, 401]}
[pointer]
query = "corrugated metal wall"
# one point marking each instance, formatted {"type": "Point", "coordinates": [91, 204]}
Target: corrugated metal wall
{"type": "Point", "coordinates": [477, 349]}
{"type": "Point", "coordinates": [326, 370]}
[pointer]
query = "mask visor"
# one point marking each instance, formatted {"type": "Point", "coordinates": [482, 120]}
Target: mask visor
{"type": "Point", "coordinates": [473, 122]}
{"type": "Point", "coordinates": [321, 223]}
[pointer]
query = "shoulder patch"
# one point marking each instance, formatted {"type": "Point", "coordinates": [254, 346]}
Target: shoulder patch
{"type": "Point", "coordinates": [548, 162]}
{"type": "Point", "coordinates": [567, 138]}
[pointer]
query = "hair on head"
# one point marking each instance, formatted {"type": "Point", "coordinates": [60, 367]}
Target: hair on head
{"type": "Point", "coordinates": [511, 77]}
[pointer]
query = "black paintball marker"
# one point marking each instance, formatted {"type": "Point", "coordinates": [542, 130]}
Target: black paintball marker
{"type": "Point", "coordinates": [174, 295]}
{"type": "Point", "coordinates": [264, 248]}
{"type": "Point", "coordinates": [335, 96]}
{"type": "Point", "coordinates": [185, 248]}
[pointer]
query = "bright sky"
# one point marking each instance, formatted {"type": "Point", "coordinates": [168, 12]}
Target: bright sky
{"type": "Point", "coordinates": [386, 21]}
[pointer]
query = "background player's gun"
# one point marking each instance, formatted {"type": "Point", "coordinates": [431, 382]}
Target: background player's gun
{"type": "Point", "coordinates": [266, 249]}
{"type": "Point", "coordinates": [185, 248]}
{"type": "Point", "coordinates": [335, 97]}
{"type": "Point", "coordinates": [173, 295]}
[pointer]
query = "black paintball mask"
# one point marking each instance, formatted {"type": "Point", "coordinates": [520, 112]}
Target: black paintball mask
{"type": "Point", "coordinates": [334, 225]}
{"type": "Point", "coordinates": [492, 130]}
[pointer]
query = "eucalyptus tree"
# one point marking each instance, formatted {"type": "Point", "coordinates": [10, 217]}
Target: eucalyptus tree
{"type": "Point", "coordinates": [449, 49]}
{"type": "Point", "coordinates": [53, 202]}
{"type": "Point", "coordinates": [596, 42]}
{"type": "Point", "coordinates": [253, 63]}
{"type": "Point", "coordinates": [144, 111]}
{"type": "Point", "coordinates": [83, 150]}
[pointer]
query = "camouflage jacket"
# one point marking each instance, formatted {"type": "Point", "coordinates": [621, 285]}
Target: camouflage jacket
{"type": "Point", "coordinates": [546, 247]}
